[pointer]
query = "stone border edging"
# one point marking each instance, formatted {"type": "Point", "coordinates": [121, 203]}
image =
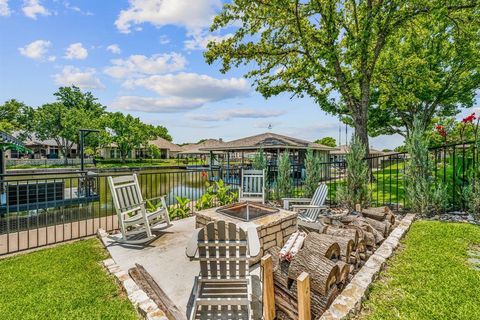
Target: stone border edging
{"type": "Point", "coordinates": [349, 302]}
{"type": "Point", "coordinates": [147, 308]}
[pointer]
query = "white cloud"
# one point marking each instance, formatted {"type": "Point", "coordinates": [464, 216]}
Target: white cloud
{"type": "Point", "coordinates": [190, 14]}
{"type": "Point", "coordinates": [36, 50]}
{"type": "Point", "coordinates": [84, 79]}
{"type": "Point", "coordinates": [76, 51]}
{"type": "Point", "coordinates": [164, 39]}
{"type": "Point", "coordinates": [200, 39]}
{"type": "Point", "coordinates": [114, 48]}
{"type": "Point", "coordinates": [138, 65]}
{"type": "Point", "coordinates": [237, 113]}
{"type": "Point", "coordinates": [155, 105]}
{"type": "Point", "coordinates": [4, 9]}
{"type": "Point", "coordinates": [192, 86]}
{"type": "Point", "coordinates": [32, 8]}
{"type": "Point", "coordinates": [69, 6]}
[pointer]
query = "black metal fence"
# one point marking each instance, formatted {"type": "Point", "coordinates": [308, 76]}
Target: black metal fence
{"type": "Point", "coordinates": [38, 209]}
{"type": "Point", "coordinates": [45, 208]}
{"type": "Point", "coordinates": [452, 166]}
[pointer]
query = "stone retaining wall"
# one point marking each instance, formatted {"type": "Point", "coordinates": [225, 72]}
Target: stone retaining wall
{"type": "Point", "coordinates": [349, 302]}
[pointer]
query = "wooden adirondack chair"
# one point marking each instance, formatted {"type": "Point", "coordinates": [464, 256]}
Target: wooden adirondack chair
{"type": "Point", "coordinates": [134, 220]}
{"type": "Point", "coordinates": [224, 286]}
{"type": "Point", "coordinates": [310, 211]}
{"type": "Point", "coordinates": [252, 186]}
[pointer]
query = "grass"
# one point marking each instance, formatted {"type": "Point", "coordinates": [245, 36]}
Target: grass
{"type": "Point", "coordinates": [63, 282]}
{"type": "Point", "coordinates": [430, 277]}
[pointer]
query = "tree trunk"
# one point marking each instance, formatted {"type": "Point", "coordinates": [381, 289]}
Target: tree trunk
{"type": "Point", "coordinates": [360, 118]}
{"type": "Point", "coordinates": [327, 249]}
{"type": "Point", "coordinates": [323, 272]}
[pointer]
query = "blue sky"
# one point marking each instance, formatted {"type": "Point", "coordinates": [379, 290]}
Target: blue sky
{"type": "Point", "coordinates": [145, 58]}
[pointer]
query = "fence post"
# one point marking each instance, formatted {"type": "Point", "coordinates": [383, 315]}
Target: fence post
{"type": "Point", "coordinates": [303, 293]}
{"type": "Point", "coordinates": [268, 291]}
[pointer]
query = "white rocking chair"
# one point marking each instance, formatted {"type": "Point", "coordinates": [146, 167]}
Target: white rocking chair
{"type": "Point", "coordinates": [252, 186]}
{"type": "Point", "coordinates": [134, 220]}
{"type": "Point", "coordinates": [224, 284]}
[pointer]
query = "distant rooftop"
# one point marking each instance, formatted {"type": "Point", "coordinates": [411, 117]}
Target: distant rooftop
{"type": "Point", "coordinates": [195, 148]}
{"type": "Point", "coordinates": [268, 141]}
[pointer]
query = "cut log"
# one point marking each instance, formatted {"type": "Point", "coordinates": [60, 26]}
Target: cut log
{"type": "Point", "coordinates": [328, 249]}
{"type": "Point", "coordinates": [361, 223]}
{"type": "Point", "coordinates": [346, 245]}
{"type": "Point", "coordinates": [344, 271]}
{"type": "Point", "coordinates": [154, 292]}
{"type": "Point", "coordinates": [280, 268]}
{"type": "Point", "coordinates": [323, 272]}
{"type": "Point", "coordinates": [378, 214]}
{"type": "Point", "coordinates": [390, 217]}
{"type": "Point", "coordinates": [361, 247]}
{"type": "Point", "coordinates": [342, 232]}
{"type": "Point", "coordinates": [286, 301]}
{"type": "Point", "coordinates": [380, 226]}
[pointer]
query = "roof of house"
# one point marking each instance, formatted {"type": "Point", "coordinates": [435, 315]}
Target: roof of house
{"type": "Point", "coordinates": [34, 141]}
{"type": "Point", "coordinates": [266, 141]}
{"type": "Point", "coordinates": [194, 148]}
{"type": "Point", "coordinates": [344, 149]}
{"type": "Point", "coordinates": [165, 144]}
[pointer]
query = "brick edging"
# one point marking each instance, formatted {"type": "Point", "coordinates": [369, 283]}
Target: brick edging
{"type": "Point", "coordinates": [349, 301]}
{"type": "Point", "coordinates": [147, 308]}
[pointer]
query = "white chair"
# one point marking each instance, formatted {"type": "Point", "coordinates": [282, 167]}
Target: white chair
{"type": "Point", "coordinates": [252, 186]}
{"type": "Point", "coordinates": [134, 220]}
{"type": "Point", "coordinates": [224, 283]}
{"type": "Point", "coordinates": [312, 208]}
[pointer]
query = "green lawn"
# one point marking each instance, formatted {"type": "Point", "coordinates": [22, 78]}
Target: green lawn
{"type": "Point", "coordinates": [64, 282]}
{"type": "Point", "coordinates": [430, 277]}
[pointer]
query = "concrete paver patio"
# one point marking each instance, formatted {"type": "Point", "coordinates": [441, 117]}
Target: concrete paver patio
{"type": "Point", "coordinates": [165, 259]}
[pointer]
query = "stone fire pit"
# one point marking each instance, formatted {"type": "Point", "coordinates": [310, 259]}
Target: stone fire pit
{"type": "Point", "coordinates": [274, 227]}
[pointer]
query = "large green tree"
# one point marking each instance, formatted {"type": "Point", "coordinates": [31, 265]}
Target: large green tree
{"type": "Point", "coordinates": [326, 49]}
{"type": "Point", "coordinates": [62, 120]}
{"type": "Point", "coordinates": [128, 133]}
{"type": "Point", "coordinates": [428, 70]}
{"type": "Point", "coordinates": [15, 116]}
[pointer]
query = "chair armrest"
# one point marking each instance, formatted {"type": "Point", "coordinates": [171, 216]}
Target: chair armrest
{"type": "Point", "coordinates": [156, 198]}
{"type": "Point", "coordinates": [192, 245]}
{"type": "Point", "coordinates": [308, 207]}
{"type": "Point", "coordinates": [253, 241]}
{"type": "Point", "coordinates": [297, 199]}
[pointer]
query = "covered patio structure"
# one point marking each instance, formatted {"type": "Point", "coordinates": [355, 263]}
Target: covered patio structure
{"type": "Point", "coordinates": [241, 150]}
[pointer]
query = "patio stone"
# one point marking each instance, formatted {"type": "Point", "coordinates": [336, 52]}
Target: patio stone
{"type": "Point", "coordinates": [137, 297]}
{"type": "Point", "coordinates": [130, 286]}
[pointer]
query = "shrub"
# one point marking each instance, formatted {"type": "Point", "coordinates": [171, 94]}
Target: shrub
{"type": "Point", "coordinates": [440, 198]}
{"type": "Point", "coordinates": [312, 169]}
{"type": "Point", "coordinates": [472, 198]}
{"type": "Point", "coordinates": [260, 160]}
{"type": "Point", "coordinates": [284, 180]}
{"type": "Point", "coordinates": [219, 193]}
{"type": "Point", "coordinates": [355, 191]}
{"type": "Point", "coordinates": [182, 209]}
{"type": "Point", "coordinates": [417, 172]}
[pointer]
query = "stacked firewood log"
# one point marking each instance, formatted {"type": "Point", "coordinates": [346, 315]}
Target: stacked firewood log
{"type": "Point", "coordinates": [331, 256]}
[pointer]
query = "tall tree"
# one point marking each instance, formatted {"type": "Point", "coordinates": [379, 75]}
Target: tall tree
{"type": "Point", "coordinates": [15, 116]}
{"type": "Point", "coordinates": [326, 49]}
{"type": "Point", "coordinates": [128, 133]}
{"type": "Point", "coordinates": [62, 120]}
{"type": "Point", "coordinates": [428, 70]}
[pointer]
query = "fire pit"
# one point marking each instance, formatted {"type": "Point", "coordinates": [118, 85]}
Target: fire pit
{"type": "Point", "coordinates": [246, 211]}
{"type": "Point", "coordinates": [274, 225]}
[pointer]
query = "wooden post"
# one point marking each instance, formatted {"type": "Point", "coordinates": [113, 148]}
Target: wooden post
{"type": "Point", "coordinates": [268, 292]}
{"type": "Point", "coordinates": [358, 207]}
{"type": "Point", "coordinates": [303, 293]}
